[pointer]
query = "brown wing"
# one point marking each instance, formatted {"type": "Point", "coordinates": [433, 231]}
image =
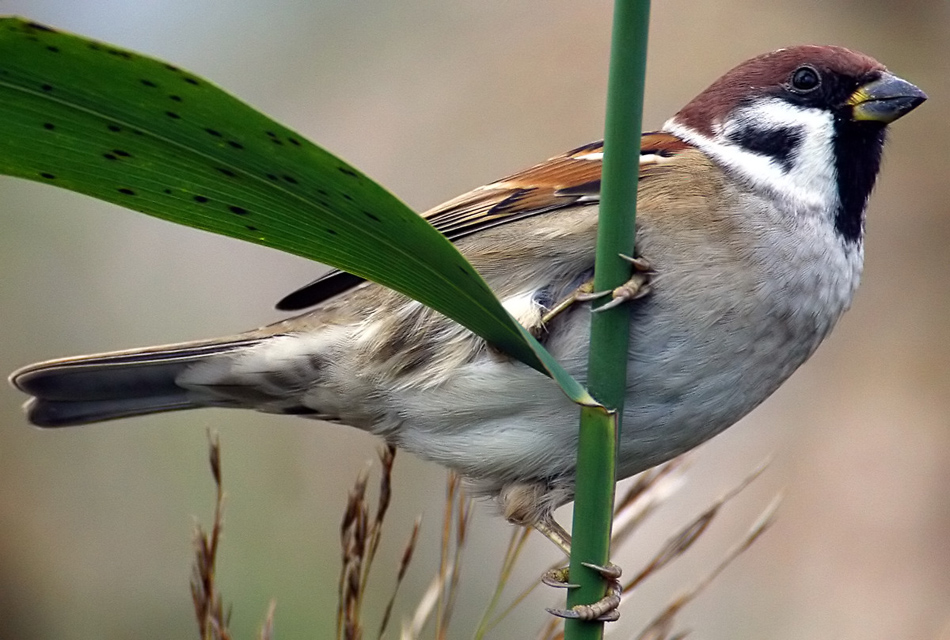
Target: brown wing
{"type": "Point", "coordinates": [567, 180]}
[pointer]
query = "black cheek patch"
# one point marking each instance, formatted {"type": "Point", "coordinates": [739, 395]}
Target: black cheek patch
{"type": "Point", "coordinates": [778, 144]}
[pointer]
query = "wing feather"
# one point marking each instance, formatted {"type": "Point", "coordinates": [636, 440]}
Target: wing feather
{"type": "Point", "coordinates": [567, 180]}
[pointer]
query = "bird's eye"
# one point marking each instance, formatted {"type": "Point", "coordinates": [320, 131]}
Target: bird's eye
{"type": "Point", "coordinates": [805, 79]}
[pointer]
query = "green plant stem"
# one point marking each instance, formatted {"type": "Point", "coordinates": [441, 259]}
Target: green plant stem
{"type": "Point", "coordinates": [607, 368]}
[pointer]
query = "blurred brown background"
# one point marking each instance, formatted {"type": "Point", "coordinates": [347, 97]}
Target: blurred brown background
{"type": "Point", "coordinates": [433, 98]}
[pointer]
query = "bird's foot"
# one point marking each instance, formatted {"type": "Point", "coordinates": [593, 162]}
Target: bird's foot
{"type": "Point", "coordinates": [636, 287]}
{"type": "Point", "coordinates": [604, 610]}
{"type": "Point", "coordinates": [633, 289]}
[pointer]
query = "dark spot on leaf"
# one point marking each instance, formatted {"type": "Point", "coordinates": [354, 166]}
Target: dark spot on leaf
{"type": "Point", "coordinates": [148, 83]}
{"type": "Point", "coordinates": [294, 142]}
{"type": "Point", "coordinates": [171, 67]}
{"type": "Point", "coordinates": [115, 127]}
{"type": "Point", "coordinates": [250, 228]}
{"type": "Point", "coordinates": [191, 81]}
{"type": "Point", "coordinates": [238, 210]}
{"type": "Point", "coordinates": [271, 176]}
{"type": "Point", "coordinates": [227, 172]}
{"type": "Point", "coordinates": [347, 171]}
{"type": "Point", "coordinates": [200, 199]}
{"type": "Point", "coordinates": [138, 132]}
{"type": "Point", "coordinates": [49, 126]}
{"type": "Point", "coordinates": [172, 115]}
{"type": "Point", "coordinates": [53, 49]}
{"type": "Point", "coordinates": [271, 134]}
{"type": "Point", "coordinates": [120, 152]}
{"type": "Point", "coordinates": [331, 232]}
{"type": "Point", "coordinates": [371, 216]}
{"type": "Point", "coordinates": [94, 46]}
{"type": "Point", "coordinates": [235, 144]}
{"type": "Point", "coordinates": [322, 192]}
{"type": "Point", "coordinates": [127, 192]}
{"type": "Point", "coordinates": [168, 191]}
{"type": "Point", "coordinates": [48, 176]}
{"type": "Point", "coordinates": [216, 134]}
{"type": "Point", "coordinates": [290, 179]}
{"type": "Point", "coordinates": [39, 27]}
{"type": "Point", "coordinates": [109, 156]}
{"type": "Point", "coordinates": [121, 54]}
{"type": "Point", "coordinates": [175, 98]}
{"type": "Point", "coordinates": [348, 197]}
{"type": "Point", "coordinates": [464, 272]}
{"type": "Point", "coordinates": [276, 141]}
{"type": "Point", "coordinates": [46, 87]}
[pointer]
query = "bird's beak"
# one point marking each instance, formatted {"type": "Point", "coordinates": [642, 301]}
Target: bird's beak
{"type": "Point", "coordinates": [885, 100]}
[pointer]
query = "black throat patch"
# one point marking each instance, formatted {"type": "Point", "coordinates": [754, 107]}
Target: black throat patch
{"type": "Point", "coordinates": [857, 153]}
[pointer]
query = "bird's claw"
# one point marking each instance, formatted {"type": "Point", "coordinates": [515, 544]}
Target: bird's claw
{"type": "Point", "coordinates": [592, 612]}
{"type": "Point", "coordinates": [604, 610]}
{"type": "Point", "coordinates": [639, 264]}
{"type": "Point", "coordinates": [607, 572]}
{"type": "Point", "coordinates": [558, 578]}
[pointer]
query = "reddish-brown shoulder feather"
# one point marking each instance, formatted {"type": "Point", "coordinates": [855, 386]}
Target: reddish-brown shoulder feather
{"type": "Point", "coordinates": [567, 180]}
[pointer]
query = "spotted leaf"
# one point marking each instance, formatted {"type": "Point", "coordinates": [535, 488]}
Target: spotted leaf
{"type": "Point", "coordinates": [147, 135]}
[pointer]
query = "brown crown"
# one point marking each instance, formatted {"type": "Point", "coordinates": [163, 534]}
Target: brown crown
{"type": "Point", "coordinates": [766, 73]}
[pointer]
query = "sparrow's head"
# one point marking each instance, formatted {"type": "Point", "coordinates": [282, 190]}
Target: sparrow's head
{"type": "Point", "coordinates": [805, 124]}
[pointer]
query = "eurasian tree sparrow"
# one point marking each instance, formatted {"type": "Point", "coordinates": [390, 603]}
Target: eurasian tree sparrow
{"type": "Point", "coordinates": [751, 215]}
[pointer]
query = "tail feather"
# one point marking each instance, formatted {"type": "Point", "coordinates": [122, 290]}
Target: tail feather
{"type": "Point", "coordinates": [66, 413]}
{"type": "Point", "coordinates": [84, 389]}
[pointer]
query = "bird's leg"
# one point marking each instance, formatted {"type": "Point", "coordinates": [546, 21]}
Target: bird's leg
{"type": "Point", "coordinates": [550, 529]}
{"type": "Point", "coordinates": [579, 294]}
{"type": "Point", "coordinates": [636, 287]}
{"type": "Point", "coordinates": [605, 609]}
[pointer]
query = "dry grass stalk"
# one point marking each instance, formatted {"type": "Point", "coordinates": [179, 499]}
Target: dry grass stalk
{"type": "Point", "coordinates": [359, 538]}
{"type": "Point", "coordinates": [209, 610]}
{"type": "Point", "coordinates": [684, 539]}
{"type": "Point", "coordinates": [459, 506]}
{"type": "Point", "coordinates": [649, 490]}
{"type": "Point", "coordinates": [267, 629]}
{"type": "Point", "coordinates": [400, 574]}
{"type": "Point", "coordinates": [452, 488]}
{"type": "Point", "coordinates": [412, 628]}
{"type": "Point", "coordinates": [442, 593]}
{"type": "Point", "coordinates": [660, 627]}
{"type": "Point", "coordinates": [519, 536]}
{"type": "Point", "coordinates": [462, 523]}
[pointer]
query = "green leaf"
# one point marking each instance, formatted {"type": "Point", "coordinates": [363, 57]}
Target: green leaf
{"type": "Point", "coordinates": [144, 134]}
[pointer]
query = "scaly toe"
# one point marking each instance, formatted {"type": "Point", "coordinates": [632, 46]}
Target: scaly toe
{"type": "Point", "coordinates": [604, 610]}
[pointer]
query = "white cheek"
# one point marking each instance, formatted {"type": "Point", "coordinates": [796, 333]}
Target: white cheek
{"type": "Point", "coordinates": [809, 185]}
